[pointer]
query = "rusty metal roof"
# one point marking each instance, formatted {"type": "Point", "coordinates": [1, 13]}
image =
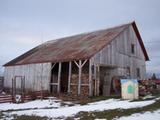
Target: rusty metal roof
{"type": "Point", "coordinates": [77, 47]}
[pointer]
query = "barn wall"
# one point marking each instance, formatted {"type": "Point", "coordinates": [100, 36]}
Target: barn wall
{"type": "Point", "coordinates": [37, 76]}
{"type": "Point", "coordinates": [118, 53]}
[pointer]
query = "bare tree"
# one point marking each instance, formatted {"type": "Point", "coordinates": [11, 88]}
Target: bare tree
{"type": "Point", "coordinates": [154, 77]}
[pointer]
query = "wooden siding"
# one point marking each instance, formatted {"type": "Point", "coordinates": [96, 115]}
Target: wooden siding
{"type": "Point", "coordinates": [1, 83]}
{"type": "Point", "coordinates": [37, 76]}
{"type": "Point", "coordinates": [118, 53]}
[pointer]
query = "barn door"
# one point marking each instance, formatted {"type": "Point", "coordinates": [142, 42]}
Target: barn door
{"type": "Point", "coordinates": [18, 86]}
{"type": "Point", "coordinates": [105, 80]}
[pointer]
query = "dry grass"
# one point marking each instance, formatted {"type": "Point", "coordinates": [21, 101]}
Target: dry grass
{"type": "Point", "coordinates": [116, 113]}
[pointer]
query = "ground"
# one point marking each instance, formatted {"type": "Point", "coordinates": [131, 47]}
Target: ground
{"type": "Point", "coordinates": [96, 108]}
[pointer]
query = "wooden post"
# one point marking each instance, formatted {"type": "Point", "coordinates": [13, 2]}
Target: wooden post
{"type": "Point", "coordinates": [90, 77]}
{"type": "Point", "coordinates": [79, 81]}
{"type": "Point", "coordinates": [51, 79]}
{"type": "Point", "coordinates": [95, 87]}
{"type": "Point", "coordinates": [98, 80]}
{"type": "Point", "coordinates": [22, 89]}
{"type": "Point", "coordinates": [59, 77]}
{"type": "Point", "coordinates": [80, 65]}
{"type": "Point", "coordinates": [95, 75]}
{"type": "Point", "coordinates": [15, 91]}
{"type": "Point", "coordinates": [69, 77]}
{"type": "Point", "coordinates": [12, 90]}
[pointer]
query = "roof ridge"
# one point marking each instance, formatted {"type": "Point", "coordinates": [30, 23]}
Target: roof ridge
{"type": "Point", "coordinates": [90, 32]}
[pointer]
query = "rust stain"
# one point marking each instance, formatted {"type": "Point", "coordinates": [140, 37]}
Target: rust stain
{"type": "Point", "coordinates": [78, 47]}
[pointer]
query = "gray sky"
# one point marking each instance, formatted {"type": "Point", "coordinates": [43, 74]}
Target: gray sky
{"type": "Point", "coordinates": [26, 23]}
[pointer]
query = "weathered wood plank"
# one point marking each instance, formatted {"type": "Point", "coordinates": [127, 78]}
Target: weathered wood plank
{"type": "Point", "coordinates": [79, 81]}
{"type": "Point", "coordinates": [54, 84]}
{"type": "Point", "coordinates": [98, 80]}
{"type": "Point", "coordinates": [90, 77]}
{"type": "Point", "coordinates": [59, 77]}
{"type": "Point", "coordinates": [69, 77]}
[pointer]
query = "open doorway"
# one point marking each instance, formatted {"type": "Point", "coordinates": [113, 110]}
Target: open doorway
{"type": "Point", "coordinates": [63, 78]}
{"type": "Point", "coordinates": [105, 81]}
{"type": "Point", "coordinates": [54, 78]}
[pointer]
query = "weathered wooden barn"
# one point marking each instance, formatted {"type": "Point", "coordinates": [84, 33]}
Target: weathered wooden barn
{"type": "Point", "coordinates": [83, 64]}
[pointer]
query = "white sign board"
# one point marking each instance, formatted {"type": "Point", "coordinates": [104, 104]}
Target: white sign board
{"type": "Point", "coordinates": [129, 89]}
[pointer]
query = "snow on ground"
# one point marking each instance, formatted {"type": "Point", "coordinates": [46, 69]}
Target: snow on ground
{"type": "Point", "coordinates": [32, 105]}
{"type": "Point", "coordinates": [149, 97]}
{"type": "Point", "coordinates": [145, 116]}
{"type": "Point", "coordinates": [66, 111]}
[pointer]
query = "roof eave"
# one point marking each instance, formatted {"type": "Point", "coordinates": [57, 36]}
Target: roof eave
{"type": "Point", "coordinates": [140, 40]}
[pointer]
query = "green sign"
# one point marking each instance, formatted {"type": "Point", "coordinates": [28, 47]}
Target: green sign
{"type": "Point", "coordinates": [130, 89]}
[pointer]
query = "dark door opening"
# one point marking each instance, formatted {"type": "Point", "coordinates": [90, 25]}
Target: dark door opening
{"type": "Point", "coordinates": [54, 79]}
{"type": "Point", "coordinates": [64, 77]}
{"type": "Point", "coordinates": [105, 81]}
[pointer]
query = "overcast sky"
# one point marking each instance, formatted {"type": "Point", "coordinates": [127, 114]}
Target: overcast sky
{"type": "Point", "coordinates": [24, 24]}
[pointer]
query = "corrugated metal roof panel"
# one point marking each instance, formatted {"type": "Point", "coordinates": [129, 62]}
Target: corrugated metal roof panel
{"type": "Point", "coordinates": [82, 46]}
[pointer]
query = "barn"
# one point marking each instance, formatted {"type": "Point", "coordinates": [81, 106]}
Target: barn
{"type": "Point", "coordinates": [82, 65]}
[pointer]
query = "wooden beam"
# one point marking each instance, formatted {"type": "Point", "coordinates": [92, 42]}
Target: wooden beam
{"type": "Point", "coordinates": [12, 90]}
{"type": "Point", "coordinates": [80, 65]}
{"type": "Point", "coordinates": [72, 84]}
{"type": "Point", "coordinates": [69, 77]}
{"type": "Point", "coordinates": [54, 84]}
{"type": "Point", "coordinates": [95, 77]}
{"type": "Point", "coordinates": [83, 63]}
{"type": "Point", "coordinates": [95, 87]}
{"type": "Point", "coordinates": [59, 77]}
{"type": "Point", "coordinates": [90, 77]}
{"type": "Point", "coordinates": [22, 88]}
{"type": "Point", "coordinates": [76, 64]}
{"type": "Point", "coordinates": [53, 66]}
{"type": "Point", "coordinates": [79, 81]}
{"type": "Point", "coordinates": [98, 80]}
{"type": "Point", "coordinates": [95, 72]}
{"type": "Point", "coordinates": [84, 84]}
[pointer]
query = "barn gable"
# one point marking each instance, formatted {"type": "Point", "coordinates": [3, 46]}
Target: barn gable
{"type": "Point", "coordinates": [118, 54]}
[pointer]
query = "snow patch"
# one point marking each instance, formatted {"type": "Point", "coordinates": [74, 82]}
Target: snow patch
{"type": "Point", "coordinates": [66, 111]}
{"type": "Point", "coordinates": [29, 105]}
{"type": "Point", "coordinates": [144, 116]}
